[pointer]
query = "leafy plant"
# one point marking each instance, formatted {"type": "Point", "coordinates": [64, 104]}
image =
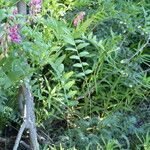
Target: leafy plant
{"type": "Point", "coordinates": [90, 81]}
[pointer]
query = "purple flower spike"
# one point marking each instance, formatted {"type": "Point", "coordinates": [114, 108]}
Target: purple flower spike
{"type": "Point", "coordinates": [35, 6]}
{"type": "Point", "coordinates": [14, 34]}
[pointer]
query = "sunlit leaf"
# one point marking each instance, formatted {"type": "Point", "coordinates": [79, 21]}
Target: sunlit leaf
{"type": "Point", "coordinates": [72, 103]}
{"type": "Point", "coordinates": [67, 75]}
{"type": "Point", "coordinates": [70, 49]}
{"type": "Point", "coordinates": [80, 74]}
{"type": "Point", "coordinates": [88, 71]}
{"type": "Point", "coordinates": [83, 54]}
{"type": "Point", "coordinates": [69, 84]}
{"type": "Point", "coordinates": [78, 65]}
{"type": "Point", "coordinates": [75, 57]}
{"type": "Point", "coordinates": [82, 45]}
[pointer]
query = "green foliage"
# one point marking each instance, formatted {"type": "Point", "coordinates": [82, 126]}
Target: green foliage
{"type": "Point", "coordinates": [117, 131]}
{"type": "Point", "coordinates": [92, 77]}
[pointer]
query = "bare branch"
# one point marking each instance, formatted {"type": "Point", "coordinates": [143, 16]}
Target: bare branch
{"type": "Point", "coordinates": [25, 92]}
{"type": "Point", "coordinates": [19, 136]}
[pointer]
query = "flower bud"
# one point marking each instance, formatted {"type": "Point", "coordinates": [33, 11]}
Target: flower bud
{"type": "Point", "coordinates": [79, 18]}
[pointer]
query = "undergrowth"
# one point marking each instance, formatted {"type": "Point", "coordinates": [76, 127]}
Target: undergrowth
{"type": "Point", "coordinates": [91, 82]}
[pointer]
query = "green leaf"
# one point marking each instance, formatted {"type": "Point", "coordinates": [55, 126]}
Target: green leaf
{"type": "Point", "coordinates": [68, 75]}
{"type": "Point", "coordinates": [47, 84]}
{"type": "Point", "coordinates": [79, 41]}
{"type": "Point", "coordinates": [14, 1]}
{"type": "Point", "coordinates": [75, 57]}
{"type": "Point", "coordinates": [27, 1]}
{"type": "Point", "coordinates": [69, 84]}
{"type": "Point", "coordinates": [60, 60]}
{"type": "Point", "coordinates": [80, 75]}
{"type": "Point", "coordinates": [88, 71]}
{"type": "Point", "coordinates": [61, 68]}
{"type": "Point", "coordinates": [84, 64]}
{"type": "Point", "coordinates": [5, 81]}
{"type": "Point", "coordinates": [70, 49]}
{"type": "Point", "coordinates": [78, 65]}
{"type": "Point", "coordinates": [90, 36]}
{"type": "Point", "coordinates": [83, 54]}
{"type": "Point", "coordinates": [72, 93]}
{"type": "Point", "coordinates": [53, 90]}
{"type": "Point", "coordinates": [82, 45]}
{"type": "Point", "coordinates": [68, 40]}
{"type": "Point", "coordinates": [2, 15]}
{"type": "Point", "coordinates": [72, 103]}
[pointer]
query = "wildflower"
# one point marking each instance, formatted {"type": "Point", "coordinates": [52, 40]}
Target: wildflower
{"type": "Point", "coordinates": [14, 34]}
{"type": "Point", "coordinates": [15, 11]}
{"type": "Point", "coordinates": [79, 18]}
{"type": "Point", "coordinates": [35, 6]}
{"type": "Point", "coordinates": [14, 30]}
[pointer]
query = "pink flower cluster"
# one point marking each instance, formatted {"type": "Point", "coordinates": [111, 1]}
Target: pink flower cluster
{"type": "Point", "coordinates": [15, 11]}
{"type": "Point", "coordinates": [35, 6]}
{"type": "Point", "coordinates": [14, 34]}
{"type": "Point", "coordinates": [14, 30]}
{"type": "Point", "coordinates": [79, 18]}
